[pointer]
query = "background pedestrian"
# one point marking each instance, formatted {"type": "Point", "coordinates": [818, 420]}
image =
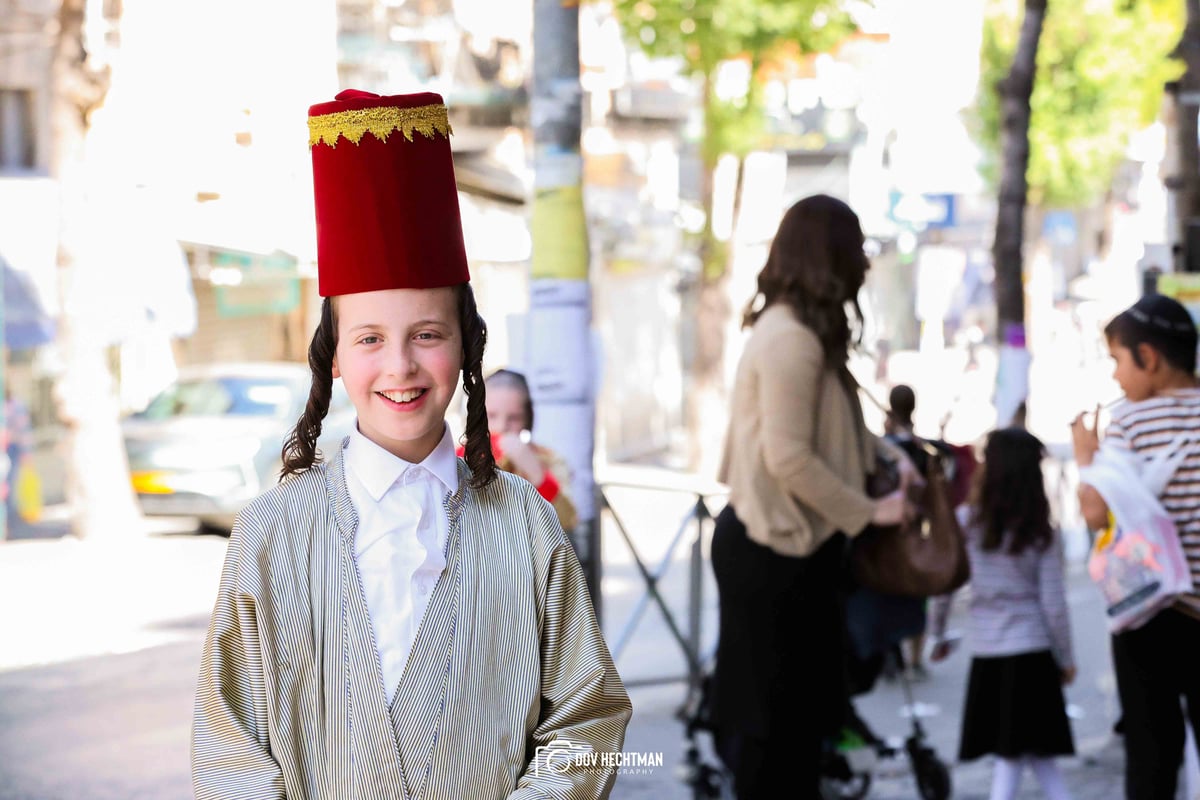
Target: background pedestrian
{"type": "Point", "coordinates": [510, 420]}
{"type": "Point", "coordinates": [1019, 629]}
{"type": "Point", "coordinates": [1153, 345]}
{"type": "Point", "coordinates": [795, 460]}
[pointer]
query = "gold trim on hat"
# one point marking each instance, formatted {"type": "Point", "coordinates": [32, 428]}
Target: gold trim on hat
{"type": "Point", "coordinates": [430, 121]}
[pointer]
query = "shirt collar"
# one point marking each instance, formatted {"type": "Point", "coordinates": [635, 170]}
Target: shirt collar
{"type": "Point", "coordinates": [378, 470]}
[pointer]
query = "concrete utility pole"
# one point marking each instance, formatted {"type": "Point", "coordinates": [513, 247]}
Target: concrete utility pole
{"type": "Point", "coordinates": [558, 337]}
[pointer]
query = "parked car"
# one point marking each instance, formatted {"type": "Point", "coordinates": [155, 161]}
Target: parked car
{"type": "Point", "coordinates": [211, 441]}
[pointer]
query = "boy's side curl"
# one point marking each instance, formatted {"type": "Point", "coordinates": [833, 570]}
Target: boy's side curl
{"type": "Point", "coordinates": [478, 444]}
{"type": "Point", "coordinates": [300, 447]}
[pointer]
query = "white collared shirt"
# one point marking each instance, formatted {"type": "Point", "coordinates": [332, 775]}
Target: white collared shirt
{"type": "Point", "coordinates": [400, 545]}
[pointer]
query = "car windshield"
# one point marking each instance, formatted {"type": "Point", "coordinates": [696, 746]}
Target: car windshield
{"type": "Point", "coordinates": [224, 396]}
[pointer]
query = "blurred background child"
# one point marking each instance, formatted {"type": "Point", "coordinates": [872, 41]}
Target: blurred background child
{"type": "Point", "coordinates": [1019, 628]}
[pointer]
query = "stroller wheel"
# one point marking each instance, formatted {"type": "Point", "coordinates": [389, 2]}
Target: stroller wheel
{"type": "Point", "coordinates": [840, 780]}
{"type": "Point", "coordinates": [855, 787]}
{"type": "Point", "coordinates": [933, 778]}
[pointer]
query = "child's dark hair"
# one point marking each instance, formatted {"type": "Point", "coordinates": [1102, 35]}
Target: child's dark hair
{"type": "Point", "coordinates": [902, 401]}
{"type": "Point", "coordinates": [1010, 495]}
{"type": "Point", "coordinates": [1160, 322]}
{"type": "Point", "coordinates": [511, 379]}
{"type": "Point", "coordinates": [300, 447]}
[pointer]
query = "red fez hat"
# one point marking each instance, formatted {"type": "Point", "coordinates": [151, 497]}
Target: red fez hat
{"type": "Point", "coordinates": [386, 201]}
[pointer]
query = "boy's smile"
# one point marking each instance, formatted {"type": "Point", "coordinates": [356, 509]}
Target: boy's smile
{"type": "Point", "coordinates": [399, 354]}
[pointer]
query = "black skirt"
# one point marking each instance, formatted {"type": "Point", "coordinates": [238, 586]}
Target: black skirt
{"type": "Point", "coordinates": [1015, 708]}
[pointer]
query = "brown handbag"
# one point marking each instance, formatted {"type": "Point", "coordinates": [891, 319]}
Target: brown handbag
{"type": "Point", "coordinates": [922, 558]}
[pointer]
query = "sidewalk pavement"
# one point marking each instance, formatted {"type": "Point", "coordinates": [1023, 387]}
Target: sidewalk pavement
{"type": "Point", "coordinates": [62, 600]}
{"type": "Point", "coordinates": [1096, 773]}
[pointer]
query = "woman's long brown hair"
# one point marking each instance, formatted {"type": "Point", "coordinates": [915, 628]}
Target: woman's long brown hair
{"type": "Point", "coordinates": [816, 266]}
{"type": "Point", "coordinates": [300, 448]}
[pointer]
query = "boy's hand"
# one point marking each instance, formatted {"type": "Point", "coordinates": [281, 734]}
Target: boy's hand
{"type": "Point", "coordinates": [940, 651]}
{"type": "Point", "coordinates": [1068, 676]}
{"type": "Point", "coordinates": [1085, 441]}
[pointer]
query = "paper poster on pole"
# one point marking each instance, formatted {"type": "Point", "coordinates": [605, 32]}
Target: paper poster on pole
{"type": "Point", "coordinates": [1012, 382]}
{"type": "Point", "coordinates": [550, 292]}
{"type": "Point", "coordinates": [559, 230]}
{"type": "Point", "coordinates": [1184, 287]}
{"type": "Point", "coordinates": [557, 343]}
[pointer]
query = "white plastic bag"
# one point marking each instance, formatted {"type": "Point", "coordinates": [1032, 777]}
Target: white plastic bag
{"type": "Point", "coordinates": [1138, 562]}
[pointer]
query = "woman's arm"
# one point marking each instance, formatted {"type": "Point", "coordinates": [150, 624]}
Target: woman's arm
{"type": "Point", "coordinates": [790, 386]}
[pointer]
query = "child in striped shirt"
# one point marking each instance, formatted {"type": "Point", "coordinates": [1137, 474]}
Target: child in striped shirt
{"type": "Point", "coordinates": [1154, 346]}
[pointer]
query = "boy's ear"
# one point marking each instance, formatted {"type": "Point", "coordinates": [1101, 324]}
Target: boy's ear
{"type": "Point", "coordinates": [1150, 358]}
{"type": "Point", "coordinates": [336, 372]}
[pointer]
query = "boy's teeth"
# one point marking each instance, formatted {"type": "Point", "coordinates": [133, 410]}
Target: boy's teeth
{"type": "Point", "coordinates": [402, 397]}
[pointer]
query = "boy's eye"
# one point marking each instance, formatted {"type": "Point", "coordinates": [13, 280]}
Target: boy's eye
{"type": "Point", "coordinates": [372, 339]}
{"type": "Point", "coordinates": [426, 336]}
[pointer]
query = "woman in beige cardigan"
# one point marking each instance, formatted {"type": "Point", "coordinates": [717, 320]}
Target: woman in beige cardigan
{"type": "Point", "coordinates": [795, 461]}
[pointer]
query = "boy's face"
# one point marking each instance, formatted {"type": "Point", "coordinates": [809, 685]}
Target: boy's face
{"type": "Point", "coordinates": [399, 354]}
{"type": "Point", "coordinates": [1134, 381]}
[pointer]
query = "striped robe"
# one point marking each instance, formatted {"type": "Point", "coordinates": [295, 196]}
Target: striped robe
{"type": "Point", "coordinates": [508, 658]}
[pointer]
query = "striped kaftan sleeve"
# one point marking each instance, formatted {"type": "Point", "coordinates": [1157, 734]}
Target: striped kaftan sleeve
{"type": "Point", "coordinates": [583, 701]}
{"type": "Point", "coordinates": [231, 759]}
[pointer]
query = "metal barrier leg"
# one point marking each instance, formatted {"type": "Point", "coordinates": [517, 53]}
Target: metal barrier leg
{"type": "Point", "coordinates": [696, 591]}
{"type": "Point", "coordinates": [651, 582]}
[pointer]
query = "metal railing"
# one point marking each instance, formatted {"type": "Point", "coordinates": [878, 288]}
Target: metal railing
{"type": "Point", "coordinates": [698, 522]}
{"type": "Point", "coordinates": [695, 531]}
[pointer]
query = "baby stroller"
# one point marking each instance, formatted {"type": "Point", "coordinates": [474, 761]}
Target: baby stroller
{"type": "Point", "coordinates": [848, 764]}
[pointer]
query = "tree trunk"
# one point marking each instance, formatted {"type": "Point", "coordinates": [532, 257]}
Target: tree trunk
{"type": "Point", "coordinates": [97, 473]}
{"type": "Point", "coordinates": [1187, 105]}
{"type": "Point", "coordinates": [706, 309]}
{"type": "Point", "coordinates": [559, 350]}
{"type": "Point", "coordinates": [1015, 93]}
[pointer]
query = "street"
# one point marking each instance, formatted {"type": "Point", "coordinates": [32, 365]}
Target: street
{"type": "Point", "coordinates": [103, 642]}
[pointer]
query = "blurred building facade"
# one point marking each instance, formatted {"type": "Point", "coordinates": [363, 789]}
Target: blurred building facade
{"type": "Point", "coordinates": [877, 121]}
{"type": "Point", "coordinates": [28, 197]}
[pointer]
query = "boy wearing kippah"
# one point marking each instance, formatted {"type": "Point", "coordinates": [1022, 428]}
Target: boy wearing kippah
{"type": "Point", "coordinates": [1154, 345]}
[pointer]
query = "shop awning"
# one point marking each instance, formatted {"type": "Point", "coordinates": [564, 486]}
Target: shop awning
{"type": "Point", "coordinates": [26, 324]}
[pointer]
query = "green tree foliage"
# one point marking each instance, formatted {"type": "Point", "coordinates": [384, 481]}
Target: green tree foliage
{"type": "Point", "coordinates": [1100, 72]}
{"type": "Point", "coordinates": [705, 33]}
